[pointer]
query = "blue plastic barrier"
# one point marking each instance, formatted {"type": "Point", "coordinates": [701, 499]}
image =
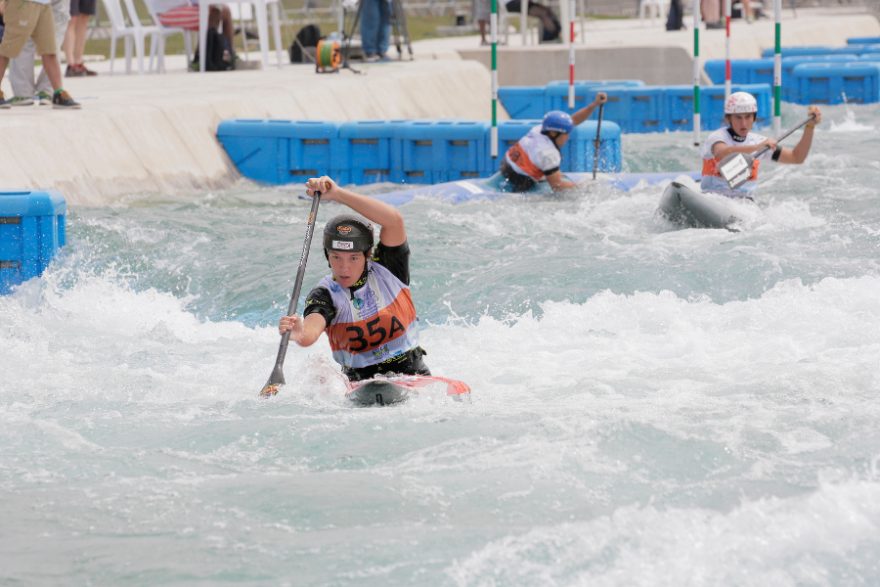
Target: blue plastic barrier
{"type": "Point", "coordinates": [460, 149]}
{"type": "Point", "coordinates": [418, 151]}
{"type": "Point", "coordinates": [279, 151]}
{"type": "Point", "coordinates": [801, 51]}
{"type": "Point", "coordinates": [832, 83]}
{"type": "Point", "coordinates": [32, 229]}
{"type": "Point", "coordinates": [528, 102]}
{"type": "Point", "coordinates": [362, 152]}
{"type": "Point", "coordinates": [790, 88]}
{"type": "Point", "coordinates": [742, 71]}
{"type": "Point", "coordinates": [413, 152]}
{"type": "Point", "coordinates": [680, 105]}
{"type": "Point", "coordinates": [863, 41]}
{"type": "Point", "coordinates": [522, 101]}
{"type": "Point", "coordinates": [578, 152]}
{"type": "Point", "coordinates": [632, 105]}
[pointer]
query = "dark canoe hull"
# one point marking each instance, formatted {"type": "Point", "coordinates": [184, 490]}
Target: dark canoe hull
{"type": "Point", "coordinates": [690, 208]}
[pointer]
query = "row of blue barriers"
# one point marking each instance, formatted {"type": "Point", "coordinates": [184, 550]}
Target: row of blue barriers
{"type": "Point", "coordinates": [372, 151]}
{"type": "Point", "coordinates": [810, 79]}
{"type": "Point", "coordinates": [32, 229]}
{"type": "Point", "coordinates": [635, 108]}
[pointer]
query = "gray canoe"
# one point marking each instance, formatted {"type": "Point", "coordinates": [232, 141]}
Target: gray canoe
{"type": "Point", "coordinates": [694, 209]}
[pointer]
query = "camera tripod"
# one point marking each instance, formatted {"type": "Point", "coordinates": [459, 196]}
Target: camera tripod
{"type": "Point", "coordinates": [399, 31]}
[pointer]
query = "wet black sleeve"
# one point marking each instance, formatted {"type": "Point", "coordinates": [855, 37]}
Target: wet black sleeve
{"type": "Point", "coordinates": [395, 259]}
{"type": "Point", "coordinates": [319, 302]}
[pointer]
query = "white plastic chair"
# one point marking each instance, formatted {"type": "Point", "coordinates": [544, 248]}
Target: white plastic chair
{"type": "Point", "coordinates": [242, 13]}
{"type": "Point", "coordinates": [507, 19]}
{"type": "Point", "coordinates": [656, 8]}
{"type": "Point", "coordinates": [157, 49]}
{"type": "Point", "coordinates": [133, 33]}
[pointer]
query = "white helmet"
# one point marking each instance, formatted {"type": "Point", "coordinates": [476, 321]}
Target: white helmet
{"type": "Point", "coordinates": [740, 103]}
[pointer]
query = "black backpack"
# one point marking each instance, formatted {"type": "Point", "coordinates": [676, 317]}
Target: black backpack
{"type": "Point", "coordinates": [675, 20]}
{"type": "Point", "coordinates": [308, 36]}
{"type": "Point", "coordinates": [218, 54]}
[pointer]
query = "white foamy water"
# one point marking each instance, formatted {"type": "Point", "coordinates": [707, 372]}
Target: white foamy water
{"type": "Point", "coordinates": [650, 406]}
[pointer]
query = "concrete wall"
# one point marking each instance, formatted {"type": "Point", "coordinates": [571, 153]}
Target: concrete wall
{"type": "Point", "coordinates": [535, 66]}
{"type": "Point", "coordinates": [156, 134]}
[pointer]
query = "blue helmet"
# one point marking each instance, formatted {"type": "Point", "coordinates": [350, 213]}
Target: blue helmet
{"type": "Point", "coordinates": [557, 121]}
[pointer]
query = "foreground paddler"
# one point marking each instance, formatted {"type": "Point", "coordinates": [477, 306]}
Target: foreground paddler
{"type": "Point", "coordinates": [537, 157]}
{"type": "Point", "coordinates": [364, 305]}
{"type": "Point", "coordinates": [733, 154]}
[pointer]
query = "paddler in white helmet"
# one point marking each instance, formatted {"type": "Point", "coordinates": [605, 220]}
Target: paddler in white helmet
{"type": "Point", "coordinates": [740, 113]}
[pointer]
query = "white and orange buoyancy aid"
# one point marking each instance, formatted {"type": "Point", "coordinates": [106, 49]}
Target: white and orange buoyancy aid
{"type": "Point", "coordinates": [373, 323]}
{"type": "Point", "coordinates": [712, 180]}
{"type": "Point", "coordinates": [534, 155]}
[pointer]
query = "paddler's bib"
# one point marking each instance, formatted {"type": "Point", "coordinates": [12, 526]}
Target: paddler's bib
{"type": "Point", "coordinates": [712, 180]}
{"type": "Point", "coordinates": [374, 323]}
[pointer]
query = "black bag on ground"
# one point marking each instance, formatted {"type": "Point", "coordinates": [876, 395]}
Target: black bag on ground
{"type": "Point", "coordinates": [218, 54]}
{"type": "Point", "coordinates": [675, 20]}
{"type": "Point", "coordinates": [308, 36]}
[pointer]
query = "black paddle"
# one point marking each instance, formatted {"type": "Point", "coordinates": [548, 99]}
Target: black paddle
{"type": "Point", "coordinates": [598, 141]}
{"type": "Point", "coordinates": [736, 168]}
{"type": "Point", "coordinates": [276, 379]}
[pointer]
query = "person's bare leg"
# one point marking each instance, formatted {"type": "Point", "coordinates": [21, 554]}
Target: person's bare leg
{"type": "Point", "coordinates": [69, 38]}
{"type": "Point", "coordinates": [228, 28]}
{"type": "Point", "coordinates": [53, 70]}
{"type": "Point", "coordinates": [82, 24]}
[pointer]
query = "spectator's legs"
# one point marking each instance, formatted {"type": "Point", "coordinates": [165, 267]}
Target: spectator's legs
{"type": "Point", "coordinates": [370, 24]}
{"type": "Point", "coordinates": [384, 26]}
{"type": "Point", "coordinates": [21, 71]}
{"type": "Point", "coordinates": [53, 70]}
{"type": "Point", "coordinates": [61, 15]}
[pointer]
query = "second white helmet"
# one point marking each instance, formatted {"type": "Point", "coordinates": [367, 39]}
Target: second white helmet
{"type": "Point", "coordinates": [740, 103]}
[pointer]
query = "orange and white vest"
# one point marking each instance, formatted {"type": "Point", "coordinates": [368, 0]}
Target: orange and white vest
{"type": "Point", "coordinates": [374, 323]}
{"type": "Point", "coordinates": [534, 154]}
{"type": "Point", "coordinates": [712, 180]}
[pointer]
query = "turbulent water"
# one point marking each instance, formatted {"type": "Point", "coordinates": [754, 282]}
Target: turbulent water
{"type": "Point", "coordinates": [650, 406]}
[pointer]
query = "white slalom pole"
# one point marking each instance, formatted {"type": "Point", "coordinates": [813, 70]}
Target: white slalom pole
{"type": "Point", "coordinates": [727, 72]}
{"type": "Point", "coordinates": [493, 30]}
{"type": "Point", "coordinates": [777, 69]}
{"type": "Point", "coordinates": [571, 12]}
{"type": "Point", "coordinates": [523, 10]}
{"type": "Point", "coordinates": [697, 73]}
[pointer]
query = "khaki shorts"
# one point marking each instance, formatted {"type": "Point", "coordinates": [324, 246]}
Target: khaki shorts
{"type": "Point", "coordinates": [25, 20]}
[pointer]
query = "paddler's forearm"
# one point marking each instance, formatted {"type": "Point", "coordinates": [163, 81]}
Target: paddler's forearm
{"type": "Point", "coordinates": [393, 231]}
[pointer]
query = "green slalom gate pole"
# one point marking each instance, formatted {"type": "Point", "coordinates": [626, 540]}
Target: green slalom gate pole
{"type": "Point", "coordinates": [696, 73]}
{"type": "Point", "coordinates": [493, 29]}
{"type": "Point", "coordinates": [571, 15]}
{"type": "Point", "coordinates": [777, 68]}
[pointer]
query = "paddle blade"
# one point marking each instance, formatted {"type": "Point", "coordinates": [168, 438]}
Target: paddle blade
{"type": "Point", "coordinates": [735, 169]}
{"type": "Point", "coordinates": [276, 380]}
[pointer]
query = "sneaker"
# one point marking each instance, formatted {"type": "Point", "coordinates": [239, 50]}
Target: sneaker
{"type": "Point", "coordinates": [63, 100]}
{"type": "Point", "coordinates": [86, 71]}
{"type": "Point", "coordinates": [73, 71]}
{"type": "Point", "coordinates": [21, 101]}
{"type": "Point", "coordinates": [44, 98]}
{"type": "Point", "coordinates": [3, 102]}
{"type": "Point", "coordinates": [371, 58]}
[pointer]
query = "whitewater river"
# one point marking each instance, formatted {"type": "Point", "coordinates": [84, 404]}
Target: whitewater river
{"type": "Point", "coordinates": [650, 406]}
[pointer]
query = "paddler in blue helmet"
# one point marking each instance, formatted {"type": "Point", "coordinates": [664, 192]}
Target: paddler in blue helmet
{"type": "Point", "coordinates": [364, 305]}
{"type": "Point", "coordinates": [537, 157]}
{"type": "Point", "coordinates": [740, 113]}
